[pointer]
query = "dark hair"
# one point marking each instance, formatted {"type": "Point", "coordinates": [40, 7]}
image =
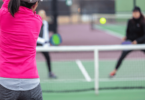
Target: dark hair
{"type": "Point", "coordinates": [137, 9]}
{"type": "Point", "coordinates": [26, 4]}
{"type": "Point", "coordinates": [141, 19]}
{"type": "Point", "coordinates": [15, 4]}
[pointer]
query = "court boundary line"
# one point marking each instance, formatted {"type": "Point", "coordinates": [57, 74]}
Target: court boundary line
{"type": "Point", "coordinates": [92, 80]}
{"type": "Point", "coordinates": [115, 34]}
{"type": "Point", "coordinates": [83, 70]}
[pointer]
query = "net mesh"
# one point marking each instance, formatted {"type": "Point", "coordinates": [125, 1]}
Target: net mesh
{"type": "Point", "coordinates": [130, 74]}
{"type": "Point", "coordinates": [66, 65]}
{"type": "Point", "coordinates": [75, 70]}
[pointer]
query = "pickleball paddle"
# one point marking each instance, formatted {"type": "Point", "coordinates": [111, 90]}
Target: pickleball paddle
{"type": "Point", "coordinates": [56, 39]}
{"type": "Point", "coordinates": [126, 42]}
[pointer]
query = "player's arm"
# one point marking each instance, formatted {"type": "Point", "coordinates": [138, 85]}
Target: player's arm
{"type": "Point", "coordinates": [5, 3]}
{"type": "Point", "coordinates": [142, 39]}
{"type": "Point", "coordinates": [41, 40]}
{"type": "Point", "coordinates": [127, 31]}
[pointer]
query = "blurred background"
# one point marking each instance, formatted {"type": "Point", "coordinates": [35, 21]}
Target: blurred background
{"type": "Point", "coordinates": [82, 16]}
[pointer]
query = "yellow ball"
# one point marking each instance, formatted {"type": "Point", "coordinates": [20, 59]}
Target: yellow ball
{"type": "Point", "coordinates": [103, 20]}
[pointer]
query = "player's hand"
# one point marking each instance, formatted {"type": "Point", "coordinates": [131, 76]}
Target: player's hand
{"type": "Point", "coordinates": [124, 39]}
{"type": "Point", "coordinates": [134, 42]}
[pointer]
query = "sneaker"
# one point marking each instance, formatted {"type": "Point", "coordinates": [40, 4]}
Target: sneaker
{"type": "Point", "coordinates": [52, 75]}
{"type": "Point", "coordinates": [112, 74]}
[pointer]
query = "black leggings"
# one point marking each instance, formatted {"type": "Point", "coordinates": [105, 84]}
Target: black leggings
{"type": "Point", "coordinates": [48, 60]}
{"type": "Point", "coordinates": [34, 94]}
{"type": "Point", "coordinates": [123, 55]}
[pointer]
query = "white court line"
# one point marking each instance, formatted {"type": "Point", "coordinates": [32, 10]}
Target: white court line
{"type": "Point", "coordinates": [83, 70]}
{"type": "Point", "coordinates": [92, 80]}
{"type": "Point", "coordinates": [110, 32]}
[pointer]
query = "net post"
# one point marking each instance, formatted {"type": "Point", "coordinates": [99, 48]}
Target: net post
{"type": "Point", "coordinates": [96, 61]}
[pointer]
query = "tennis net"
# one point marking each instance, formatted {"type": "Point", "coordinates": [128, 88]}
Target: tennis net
{"type": "Point", "coordinates": [87, 68]}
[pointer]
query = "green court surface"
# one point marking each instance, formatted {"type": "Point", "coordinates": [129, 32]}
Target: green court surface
{"type": "Point", "coordinates": [119, 30]}
{"type": "Point", "coordinates": [103, 95]}
{"type": "Point", "coordinates": [122, 6]}
{"type": "Point", "coordinates": [70, 77]}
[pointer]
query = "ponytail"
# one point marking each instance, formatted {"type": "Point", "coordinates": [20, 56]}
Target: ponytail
{"type": "Point", "coordinates": [13, 6]}
{"type": "Point", "coordinates": [142, 17]}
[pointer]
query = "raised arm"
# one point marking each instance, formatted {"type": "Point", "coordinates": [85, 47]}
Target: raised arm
{"type": "Point", "coordinates": [5, 4]}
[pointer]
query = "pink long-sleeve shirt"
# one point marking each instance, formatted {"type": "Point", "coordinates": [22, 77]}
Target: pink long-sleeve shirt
{"type": "Point", "coordinates": [18, 37]}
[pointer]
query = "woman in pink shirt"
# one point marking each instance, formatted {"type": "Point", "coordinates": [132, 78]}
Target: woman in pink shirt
{"type": "Point", "coordinates": [19, 30]}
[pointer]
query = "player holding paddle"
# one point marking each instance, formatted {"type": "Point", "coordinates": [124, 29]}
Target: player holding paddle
{"type": "Point", "coordinates": [43, 40]}
{"type": "Point", "coordinates": [135, 34]}
{"type": "Point", "coordinates": [19, 30]}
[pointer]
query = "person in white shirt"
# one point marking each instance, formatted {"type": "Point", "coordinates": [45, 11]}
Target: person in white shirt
{"type": "Point", "coordinates": [43, 40]}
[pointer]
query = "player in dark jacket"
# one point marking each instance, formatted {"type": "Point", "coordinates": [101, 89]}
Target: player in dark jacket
{"type": "Point", "coordinates": [135, 33]}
